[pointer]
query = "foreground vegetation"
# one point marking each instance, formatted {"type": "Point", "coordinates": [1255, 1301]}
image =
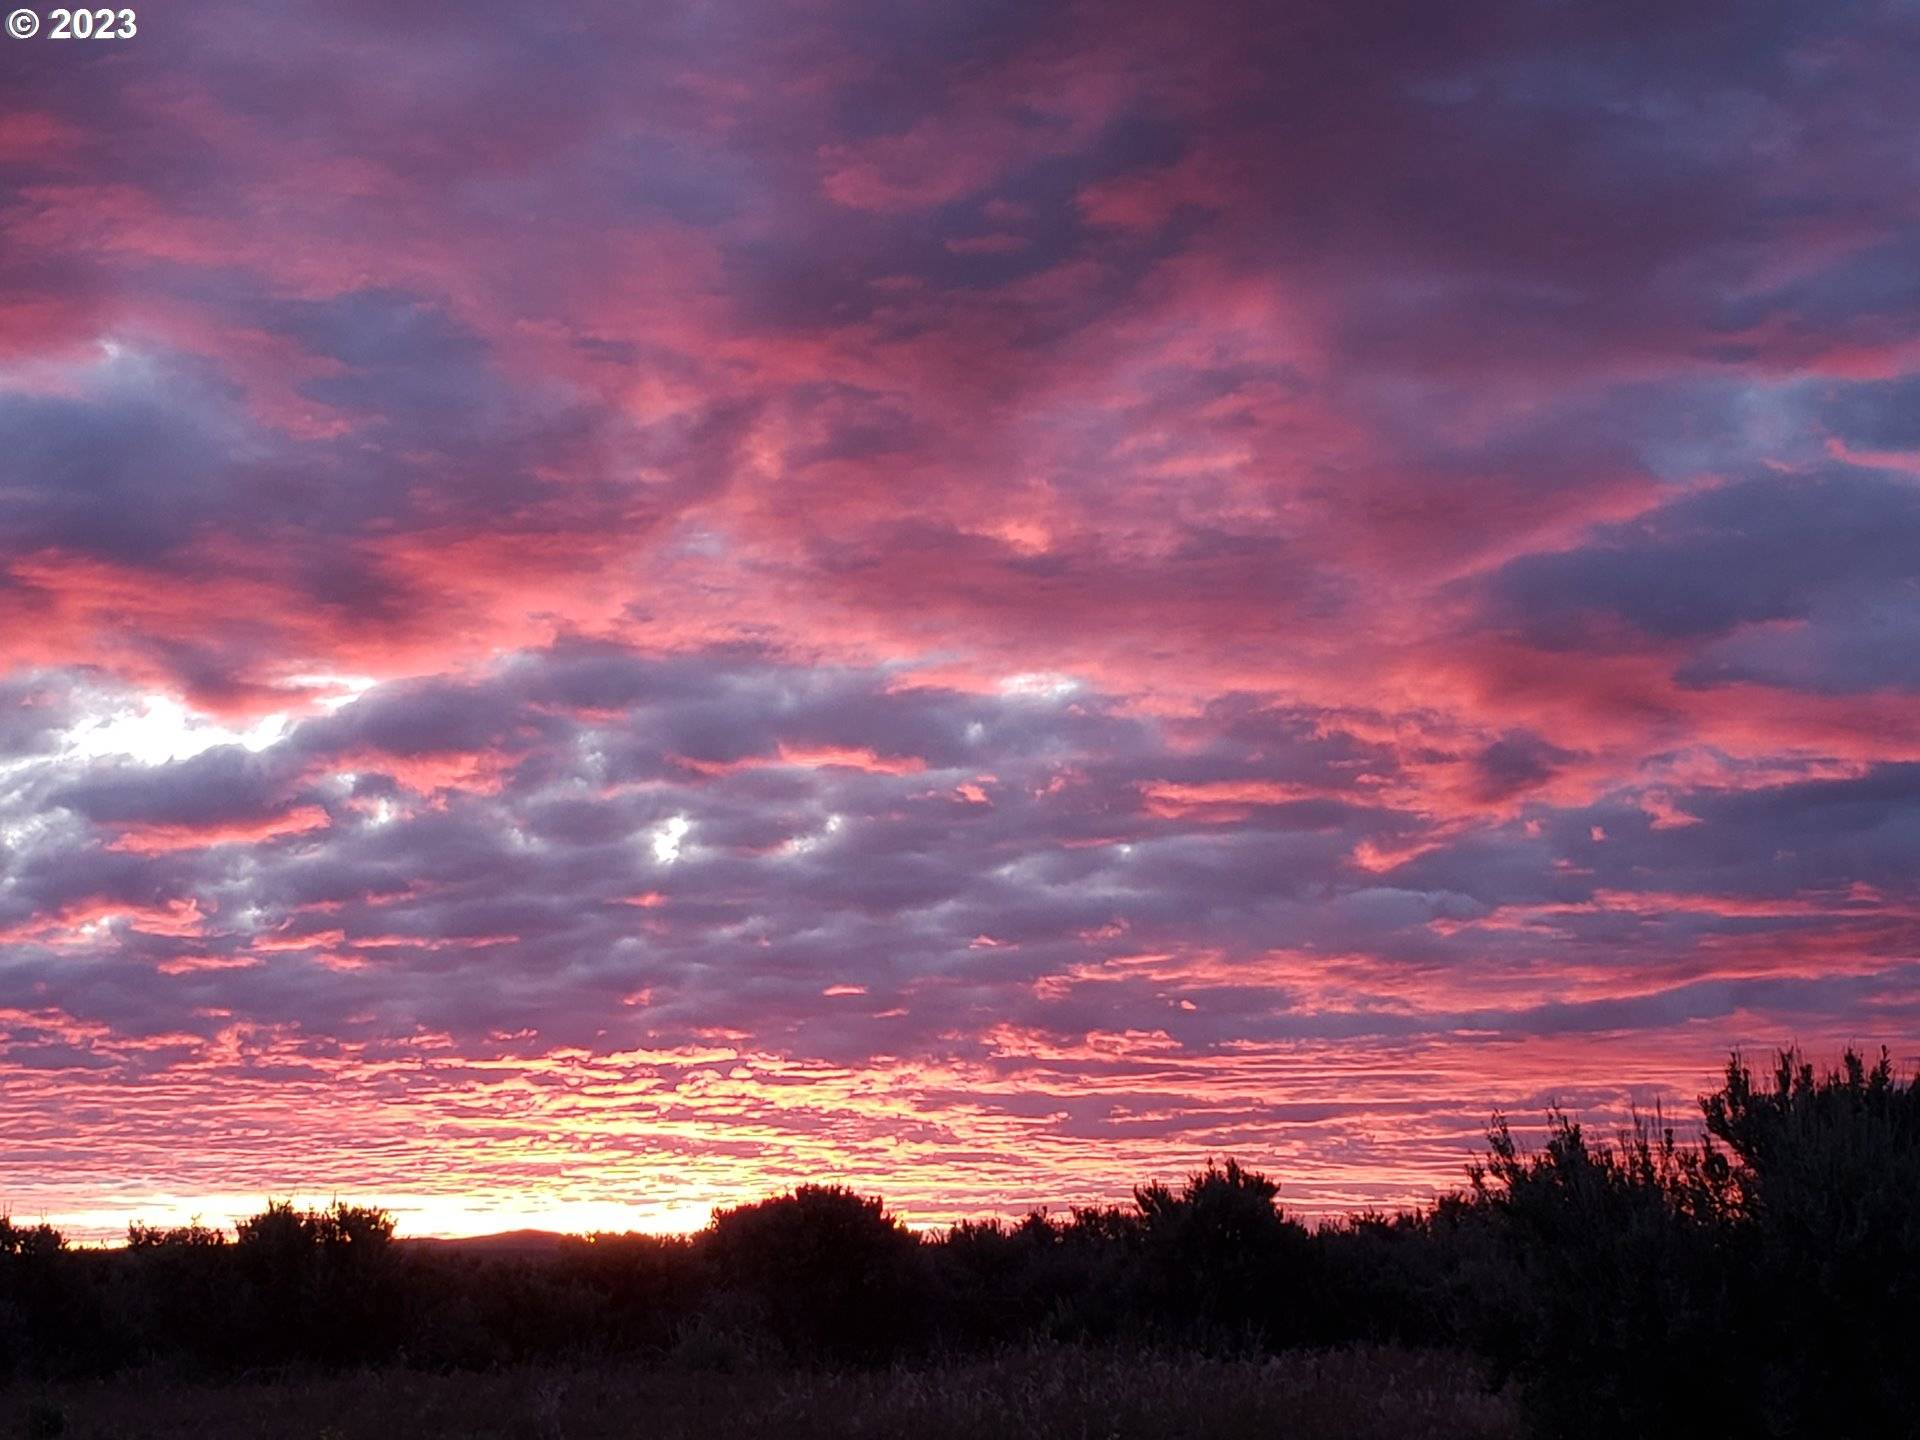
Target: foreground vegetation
{"type": "Point", "coordinates": [1764, 1280]}
{"type": "Point", "coordinates": [1042, 1393]}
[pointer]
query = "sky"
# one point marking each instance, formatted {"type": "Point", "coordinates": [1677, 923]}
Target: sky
{"type": "Point", "coordinates": [607, 608]}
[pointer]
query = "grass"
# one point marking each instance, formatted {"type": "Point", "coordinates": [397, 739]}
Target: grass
{"type": "Point", "coordinates": [1056, 1393]}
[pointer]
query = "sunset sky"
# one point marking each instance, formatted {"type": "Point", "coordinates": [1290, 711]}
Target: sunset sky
{"type": "Point", "coordinates": [605, 608]}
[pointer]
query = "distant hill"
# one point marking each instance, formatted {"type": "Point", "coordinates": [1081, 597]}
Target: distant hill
{"type": "Point", "coordinates": [507, 1242]}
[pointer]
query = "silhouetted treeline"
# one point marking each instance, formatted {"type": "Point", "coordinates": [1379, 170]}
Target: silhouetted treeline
{"type": "Point", "coordinates": [1764, 1280]}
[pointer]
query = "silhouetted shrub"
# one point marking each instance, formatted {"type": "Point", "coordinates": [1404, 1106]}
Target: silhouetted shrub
{"type": "Point", "coordinates": [1073, 1279]}
{"type": "Point", "coordinates": [827, 1272]}
{"type": "Point", "coordinates": [1223, 1262]}
{"type": "Point", "coordinates": [989, 1282]}
{"type": "Point", "coordinates": [1391, 1278]}
{"type": "Point", "coordinates": [1825, 1180]}
{"type": "Point", "coordinates": [480, 1312]}
{"type": "Point", "coordinates": [1608, 1296]}
{"type": "Point", "coordinates": [1656, 1287]}
{"type": "Point", "coordinates": [51, 1310]}
{"type": "Point", "coordinates": [318, 1284]}
{"type": "Point", "coordinates": [646, 1286]}
{"type": "Point", "coordinates": [176, 1294]}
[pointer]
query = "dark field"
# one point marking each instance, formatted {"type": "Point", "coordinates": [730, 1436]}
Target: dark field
{"type": "Point", "coordinates": [1052, 1393]}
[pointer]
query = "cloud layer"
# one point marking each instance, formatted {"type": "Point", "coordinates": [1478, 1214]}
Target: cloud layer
{"type": "Point", "coordinates": [601, 611]}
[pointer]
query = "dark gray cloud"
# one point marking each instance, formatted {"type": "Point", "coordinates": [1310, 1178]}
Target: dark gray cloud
{"type": "Point", "coordinates": [1750, 552]}
{"type": "Point", "coordinates": [727, 840]}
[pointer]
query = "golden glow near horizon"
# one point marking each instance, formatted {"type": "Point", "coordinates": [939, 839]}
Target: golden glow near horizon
{"type": "Point", "coordinates": [654, 1141]}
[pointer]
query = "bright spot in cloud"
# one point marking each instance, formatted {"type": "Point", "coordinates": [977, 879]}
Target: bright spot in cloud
{"type": "Point", "coordinates": [15, 833]}
{"type": "Point", "coordinates": [667, 837]}
{"type": "Point", "coordinates": [156, 729]}
{"type": "Point", "coordinates": [1041, 684]}
{"type": "Point", "coordinates": [801, 844]}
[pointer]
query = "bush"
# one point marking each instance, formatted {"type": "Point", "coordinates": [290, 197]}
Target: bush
{"type": "Point", "coordinates": [1770, 1287]}
{"type": "Point", "coordinates": [1609, 1295]}
{"type": "Point", "coordinates": [175, 1294]}
{"type": "Point", "coordinates": [51, 1313]}
{"type": "Point", "coordinates": [1825, 1175]}
{"type": "Point", "coordinates": [1392, 1278]}
{"type": "Point", "coordinates": [1221, 1260]}
{"type": "Point", "coordinates": [318, 1284]}
{"type": "Point", "coordinates": [827, 1273]}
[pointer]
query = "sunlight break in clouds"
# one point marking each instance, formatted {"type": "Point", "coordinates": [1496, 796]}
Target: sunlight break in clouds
{"type": "Point", "coordinates": [605, 611]}
{"type": "Point", "coordinates": [157, 729]}
{"type": "Point", "coordinates": [667, 837]}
